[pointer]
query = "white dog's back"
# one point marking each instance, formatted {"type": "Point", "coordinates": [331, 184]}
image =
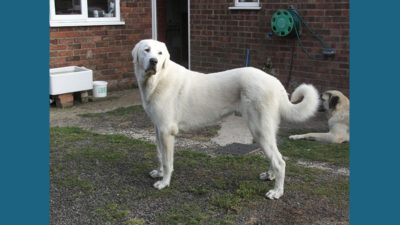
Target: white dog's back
{"type": "Point", "coordinates": [205, 98]}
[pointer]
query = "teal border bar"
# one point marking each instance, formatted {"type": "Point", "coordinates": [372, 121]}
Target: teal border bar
{"type": "Point", "coordinates": [374, 82]}
{"type": "Point", "coordinates": [24, 158]}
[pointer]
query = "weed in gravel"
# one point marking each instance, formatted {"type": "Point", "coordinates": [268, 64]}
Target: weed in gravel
{"type": "Point", "coordinates": [227, 202]}
{"type": "Point", "coordinates": [121, 111]}
{"type": "Point", "coordinates": [199, 189]}
{"type": "Point", "coordinates": [112, 212]}
{"type": "Point", "coordinates": [75, 183]}
{"type": "Point", "coordinates": [184, 214]}
{"type": "Point", "coordinates": [134, 222]}
{"type": "Point", "coordinates": [251, 189]}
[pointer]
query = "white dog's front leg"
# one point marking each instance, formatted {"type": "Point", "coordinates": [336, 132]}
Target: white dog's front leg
{"type": "Point", "coordinates": [158, 172]}
{"type": "Point", "coordinates": [167, 143]}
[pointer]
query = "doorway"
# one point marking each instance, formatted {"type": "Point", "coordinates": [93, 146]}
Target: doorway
{"type": "Point", "coordinates": [172, 29]}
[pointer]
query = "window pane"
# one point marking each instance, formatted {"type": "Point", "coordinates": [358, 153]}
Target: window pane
{"type": "Point", "coordinates": [68, 7]}
{"type": "Point", "coordinates": [101, 8]}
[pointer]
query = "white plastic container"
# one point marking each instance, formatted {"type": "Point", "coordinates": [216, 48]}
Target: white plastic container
{"type": "Point", "coordinates": [70, 79]}
{"type": "Point", "coordinates": [99, 89]}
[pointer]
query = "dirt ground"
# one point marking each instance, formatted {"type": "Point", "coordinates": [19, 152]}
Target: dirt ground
{"type": "Point", "coordinates": [227, 138]}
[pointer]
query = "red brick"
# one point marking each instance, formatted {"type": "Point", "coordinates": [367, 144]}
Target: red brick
{"type": "Point", "coordinates": [65, 100]}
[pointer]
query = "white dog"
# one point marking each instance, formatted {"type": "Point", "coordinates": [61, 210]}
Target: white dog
{"type": "Point", "coordinates": [337, 106]}
{"type": "Point", "coordinates": [179, 99]}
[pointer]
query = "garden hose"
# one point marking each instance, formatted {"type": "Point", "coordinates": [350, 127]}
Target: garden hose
{"type": "Point", "coordinates": [298, 20]}
{"type": "Point", "coordinates": [291, 66]}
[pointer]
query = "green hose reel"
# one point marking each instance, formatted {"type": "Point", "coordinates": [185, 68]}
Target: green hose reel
{"type": "Point", "coordinates": [283, 24]}
{"type": "Point", "coordinates": [287, 23]}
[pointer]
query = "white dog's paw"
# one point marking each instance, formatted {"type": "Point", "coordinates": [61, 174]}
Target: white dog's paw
{"type": "Point", "coordinates": [156, 174]}
{"type": "Point", "coordinates": [274, 193]}
{"type": "Point", "coordinates": [160, 184]}
{"type": "Point", "coordinates": [295, 137]}
{"type": "Point", "coordinates": [267, 175]}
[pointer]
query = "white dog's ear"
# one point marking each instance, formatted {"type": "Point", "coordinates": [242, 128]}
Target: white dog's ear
{"type": "Point", "coordinates": [135, 52]}
{"type": "Point", "coordinates": [167, 57]}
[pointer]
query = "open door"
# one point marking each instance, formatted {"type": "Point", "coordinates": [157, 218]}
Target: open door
{"type": "Point", "coordinates": [172, 28]}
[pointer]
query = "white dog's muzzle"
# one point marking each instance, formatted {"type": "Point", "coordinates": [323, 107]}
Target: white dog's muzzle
{"type": "Point", "coordinates": [152, 68]}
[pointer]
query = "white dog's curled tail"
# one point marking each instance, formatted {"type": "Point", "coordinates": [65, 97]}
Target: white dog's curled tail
{"type": "Point", "coordinates": [303, 110]}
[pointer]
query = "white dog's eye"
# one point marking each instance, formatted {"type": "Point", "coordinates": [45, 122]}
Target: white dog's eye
{"type": "Point", "coordinates": [147, 50]}
{"type": "Point", "coordinates": [160, 53]}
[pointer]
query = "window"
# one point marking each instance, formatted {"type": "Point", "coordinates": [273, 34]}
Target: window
{"type": "Point", "coordinates": [84, 12]}
{"type": "Point", "coordinates": [246, 4]}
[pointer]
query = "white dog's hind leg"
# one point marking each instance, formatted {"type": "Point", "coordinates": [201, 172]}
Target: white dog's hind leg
{"type": "Point", "coordinates": [167, 143]}
{"type": "Point", "coordinates": [268, 145]}
{"type": "Point", "coordinates": [158, 172]}
{"type": "Point", "coordinates": [262, 126]}
{"type": "Point", "coordinates": [278, 165]}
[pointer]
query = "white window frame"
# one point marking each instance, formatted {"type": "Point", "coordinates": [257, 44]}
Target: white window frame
{"type": "Point", "coordinates": [246, 5]}
{"type": "Point", "coordinates": [83, 19]}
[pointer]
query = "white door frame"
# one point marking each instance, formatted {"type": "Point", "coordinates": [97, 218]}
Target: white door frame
{"type": "Point", "coordinates": [188, 9]}
{"type": "Point", "coordinates": [154, 25]}
{"type": "Point", "coordinates": [154, 19]}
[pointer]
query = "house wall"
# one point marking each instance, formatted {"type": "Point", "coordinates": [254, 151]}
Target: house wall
{"type": "Point", "coordinates": [220, 37]}
{"type": "Point", "coordinates": [104, 49]}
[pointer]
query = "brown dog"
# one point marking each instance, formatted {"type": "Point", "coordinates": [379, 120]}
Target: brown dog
{"type": "Point", "coordinates": [337, 106]}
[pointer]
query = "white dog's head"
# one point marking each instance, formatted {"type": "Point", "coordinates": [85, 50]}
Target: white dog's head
{"type": "Point", "coordinates": [150, 57]}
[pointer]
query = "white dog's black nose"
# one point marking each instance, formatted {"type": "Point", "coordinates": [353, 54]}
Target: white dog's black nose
{"type": "Point", "coordinates": [153, 61]}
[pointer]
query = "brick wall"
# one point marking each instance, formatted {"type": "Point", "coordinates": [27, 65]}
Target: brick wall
{"type": "Point", "coordinates": [104, 49]}
{"type": "Point", "coordinates": [220, 37]}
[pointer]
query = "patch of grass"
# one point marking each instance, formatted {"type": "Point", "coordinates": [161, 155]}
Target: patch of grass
{"type": "Point", "coordinates": [94, 154]}
{"type": "Point", "coordinates": [69, 131]}
{"type": "Point", "coordinates": [314, 182]}
{"type": "Point", "coordinates": [334, 154]}
{"type": "Point", "coordinates": [76, 183]}
{"type": "Point", "coordinates": [342, 186]}
{"type": "Point", "coordinates": [121, 111]}
{"type": "Point", "coordinates": [112, 212]}
{"type": "Point", "coordinates": [227, 202]}
{"type": "Point", "coordinates": [166, 192]}
{"type": "Point", "coordinates": [252, 189]}
{"type": "Point", "coordinates": [184, 214]}
{"type": "Point", "coordinates": [60, 136]}
{"type": "Point", "coordinates": [203, 190]}
{"type": "Point", "coordinates": [56, 169]}
{"type": "Point", "coordinates": [134, 222]}
{"type": "Point", "coordinates": [193, 159]}
{"type": "Point", "coordinates": [91, 115]}
{"type": "Point", "coordinates": [199, 189]}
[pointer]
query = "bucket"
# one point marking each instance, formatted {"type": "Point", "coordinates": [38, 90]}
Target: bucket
{"type": "Point", "coordinates": [99, 89]}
